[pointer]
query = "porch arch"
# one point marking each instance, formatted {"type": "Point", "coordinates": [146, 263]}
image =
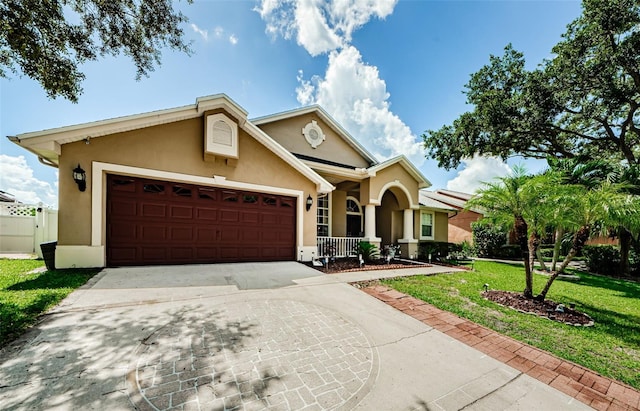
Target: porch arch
{"type": "Point", "coordinates": [402, 194]}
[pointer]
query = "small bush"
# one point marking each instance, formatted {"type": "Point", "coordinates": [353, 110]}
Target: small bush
{"type": "Point", "coordinates": [602, 259]}
{"type": "Point", "coordinates": [368, 251]}
{"type": "Point", "coordinates": [508, 251]}
{"type": "Point", "coordinates": [546, 251]}
{"type": "Point", "coordinates": [487, 239]}
{"type": "Point", "coordinates": [437, 249]}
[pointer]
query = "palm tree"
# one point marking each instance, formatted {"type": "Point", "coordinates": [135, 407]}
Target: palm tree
{"type": "Point", "coordinates": [575, 171]}
{"type": "Point", "coordinates": [506, 200]}
{"type": "Point", "coordinates": [585, 210]}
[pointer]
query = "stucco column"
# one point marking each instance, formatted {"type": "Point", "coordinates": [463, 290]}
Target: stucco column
{"type": "Point", "coordinates": [408, 243]}
{"type": "Point", "coordinates": [370, 224]}
{"type": "Point", "coordinates": [408, 225]}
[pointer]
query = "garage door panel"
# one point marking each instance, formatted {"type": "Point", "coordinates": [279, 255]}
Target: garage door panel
{"type": "Point", "coordinates": [122, 231]}
{"type": "Point", "coordinates": [249, 217]}
{"type": "Point", "coordinates": [209, 214]}
{"type": "Point", "coordinates": [153, 233]}
{"type": "Point", "coordinates": [182, 253]}
{"type": "Point", "coordinates": [153, 210]}
{"type": "Point", "coordinates": [206, 253]}
{"type": "Point", "coordinates": [269, 219]}
{"type": "Point", "coordinates": [159, 222]}
{"type": "Point", "coordinates": [181, 234]}
{"type": "Point", "coordinates": [154, 254]}
{"type": "Point", "coordinates": [181, 212]}
{"type": "Point", "coordinates": [229, 216]}
{"type": "Point", "coordinates": [230, 235]}
{"type": "Point", "coordinates": [128, 254]}
{"type": "Point", "coordinates": [206, 234]}
{"type": "Point", "coordinates": [124, 208]}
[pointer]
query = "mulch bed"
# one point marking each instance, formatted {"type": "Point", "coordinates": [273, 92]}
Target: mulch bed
{"type": "Point", "coordinates": [344, 265]}
{"type": "Point", "coordinates": [546, 308]}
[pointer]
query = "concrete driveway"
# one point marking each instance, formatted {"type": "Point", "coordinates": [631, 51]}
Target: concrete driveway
{"type": "Point", "coordinates": [277, 336]}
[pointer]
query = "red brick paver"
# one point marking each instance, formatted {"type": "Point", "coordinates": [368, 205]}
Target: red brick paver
{"type": "Point", "coordinates": [574, 380]}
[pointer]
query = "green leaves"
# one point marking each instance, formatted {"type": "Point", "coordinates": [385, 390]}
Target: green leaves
{"type": "Point", "coordinates": [581, 103]}
{"type": "Point", "coordinates": [47, 40]}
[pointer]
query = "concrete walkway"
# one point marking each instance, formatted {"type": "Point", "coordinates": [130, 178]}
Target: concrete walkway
{"type": "Point", "coordinates": [277, 336]}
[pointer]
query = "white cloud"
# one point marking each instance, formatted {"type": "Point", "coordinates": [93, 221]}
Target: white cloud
{"type": "Point", "coordinates": [218, 33]}
{"type": "Point", "coordinates": [16, 177]}
{"type": "Point", "coordinates": [355, 95]}
{"type": "Point", "coordinates": [477, 171]}
{"type": "Point", "coordinates": [202, 32]}
{"type": "Point", "coordinates": [320, 26]}
{"type": "Point", "coordinates": [351, 90]}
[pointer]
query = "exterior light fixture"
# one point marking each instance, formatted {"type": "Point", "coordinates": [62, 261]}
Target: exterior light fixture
{"type": "Point", "coordinates": [309, 202]}
{"type": "Point", "coordinates": [80, 177]}
{"type": "Point", "coordinates": [486, 287]}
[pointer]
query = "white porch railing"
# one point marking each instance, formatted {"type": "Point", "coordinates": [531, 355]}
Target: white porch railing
{"type": "Point", "coordinates": [338, 246]}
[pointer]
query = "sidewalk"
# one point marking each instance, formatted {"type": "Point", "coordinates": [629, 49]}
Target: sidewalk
{"type": "Point", "coordinates": [599, 392]}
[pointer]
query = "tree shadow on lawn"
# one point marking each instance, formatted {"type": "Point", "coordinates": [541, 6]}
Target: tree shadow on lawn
{"type": "Point", "coordinates": [623, 326]}
{"type": "Point", "coordinates": [55, 279]}
{"type": "Point", "coordinates": [626, 288]}
{"type": "Point", "coordinates": [79, 359]}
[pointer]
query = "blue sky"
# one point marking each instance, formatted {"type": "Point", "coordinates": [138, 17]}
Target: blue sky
{"type": "Point", "coordinates": [386, 70]}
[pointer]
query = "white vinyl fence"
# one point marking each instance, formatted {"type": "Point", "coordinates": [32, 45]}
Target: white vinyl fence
{"type": "Point", "coordinates": [23, 227]}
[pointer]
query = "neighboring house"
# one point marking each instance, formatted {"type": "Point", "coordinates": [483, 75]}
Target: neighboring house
{"type": "Point", "coordinates": [459, 221]}
{"type": "Point", "coordinates": [203, 183]}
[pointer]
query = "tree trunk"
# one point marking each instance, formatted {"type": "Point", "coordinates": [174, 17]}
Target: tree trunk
{"type": "Point", "coordinates": [534, 251]}
{"type": "Point", "coordinates": [556, 247]}
{"type": "Point", "coordinates": [543, 266]}
{"type": "Point", "coordinates": [625, 247]}
{"type": "Point", "coordinates": [579, 239]}
{"type": "Point", "coordinates": [520, 228]}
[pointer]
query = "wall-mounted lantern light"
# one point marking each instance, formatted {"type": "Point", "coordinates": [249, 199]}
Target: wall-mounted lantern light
{"type": "Point", "coordinates": [80, 177]}
{"type": "Point", "coordinates": [309, 202]}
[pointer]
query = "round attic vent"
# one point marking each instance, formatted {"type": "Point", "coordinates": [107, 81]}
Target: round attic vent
{"type": "Point", "coordinates": [313, 134]}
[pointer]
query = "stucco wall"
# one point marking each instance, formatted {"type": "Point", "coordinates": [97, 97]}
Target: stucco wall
{"type": "Point", "coordinates": [288, 133]}
{"type": "Point", "coordinates": [338, 213]}
{"type": "Point", "coordinates": [176, 147]}
{"type": "Point", "coordinates": [392, 174]}
{"type": "Point", "coordinates": [441, 228]}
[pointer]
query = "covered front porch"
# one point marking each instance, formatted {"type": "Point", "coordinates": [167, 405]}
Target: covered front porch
{"type": "Point", "coordinates": [379, 205]}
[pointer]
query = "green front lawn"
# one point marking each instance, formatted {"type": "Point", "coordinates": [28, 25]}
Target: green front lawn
{"type": "Point", "coordinates": [611, 347]}
{"type": "Point", "coordinates": [23, 297]}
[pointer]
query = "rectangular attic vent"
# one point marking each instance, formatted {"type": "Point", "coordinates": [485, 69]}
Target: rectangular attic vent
{"type": "Point", "coordinates": [221, 137]}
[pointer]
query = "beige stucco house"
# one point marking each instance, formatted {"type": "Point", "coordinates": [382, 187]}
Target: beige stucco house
{"type": "Point", "coordinates": [203, 183]}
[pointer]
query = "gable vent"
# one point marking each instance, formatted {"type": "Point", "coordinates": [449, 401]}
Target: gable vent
{"type": "Point", "coordinates": [221, 136]}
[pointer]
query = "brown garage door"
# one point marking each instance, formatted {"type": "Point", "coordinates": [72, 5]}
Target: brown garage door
{"type": "Point", "coordinates": [159, 222]}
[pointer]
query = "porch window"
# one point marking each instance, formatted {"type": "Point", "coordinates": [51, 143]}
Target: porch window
{"type": "Point", "coordinates": [354, 218]}
{"type": "Point", "coordinates": [426, 225]}
{"type": "Point", "coordinates": [323, 216]}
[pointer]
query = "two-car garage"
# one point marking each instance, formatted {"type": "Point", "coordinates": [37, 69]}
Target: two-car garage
{"type": "Point", "coordinates": [162, 222]}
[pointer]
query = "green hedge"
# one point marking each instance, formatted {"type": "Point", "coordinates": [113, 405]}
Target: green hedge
{"type": "Point", "coordinates": [488, 240]}
{"type": "Point", "coordinates": [605, 259]}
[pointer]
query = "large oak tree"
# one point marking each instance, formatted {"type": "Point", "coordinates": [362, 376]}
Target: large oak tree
{"type": "Point", "coordinates": [47, 40]}
{"type": "Point", "coordinates": [582, 102]}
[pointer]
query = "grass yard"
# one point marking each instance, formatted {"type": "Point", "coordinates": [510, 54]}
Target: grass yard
{"type": "Point", "coordinates": [611, 347]}
{"type": "Point", "coordinates": [23, 297]}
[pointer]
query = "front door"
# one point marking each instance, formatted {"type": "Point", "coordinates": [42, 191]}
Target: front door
{"type": "Point", "coordinates": [354, 225]}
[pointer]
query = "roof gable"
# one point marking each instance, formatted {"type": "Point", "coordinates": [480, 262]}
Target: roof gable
{"type": "Point", "coordinates": [308, 113]}
{"type": "Point", "coordinates": [47, 144]}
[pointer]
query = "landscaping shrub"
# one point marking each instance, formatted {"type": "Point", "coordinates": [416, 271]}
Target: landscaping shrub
{"type": "Point", "coordinates": [368, 251]}
{"type": "Point", "coordinates": [438, 249]}
{"type": "Point", "coordinates": [487, 239]}
{"type": "Point", "coordinates": [546, 251]}
{"type": "Point", "coordinates": [602, 259]}
{"type": "Point", "coordinates": [508, 251]}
